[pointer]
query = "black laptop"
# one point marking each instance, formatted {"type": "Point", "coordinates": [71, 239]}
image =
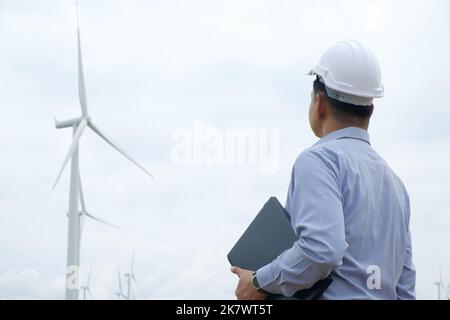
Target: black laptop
{"type": "Point", "coordinates": [269, 234]}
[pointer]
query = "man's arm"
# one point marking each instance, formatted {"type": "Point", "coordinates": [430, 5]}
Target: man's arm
{"type": "Point", "coordinates": [407, 282]}
{"type": "Point", "coordinates": [317, 217]}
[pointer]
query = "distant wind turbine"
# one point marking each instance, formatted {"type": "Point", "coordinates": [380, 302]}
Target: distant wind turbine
{"type": "Point", "coordinates": [440, 284]}
{"type": "Point", "coordinates": [78, 125]}
{"type": "Point", "coordinates": [83, 212]}
{"type": "Point", "coordinates": [86, 288]}
{"type": "Point", "coordinates": [120, 293]}
{"type": "Point", "coordinates": [130, 281]}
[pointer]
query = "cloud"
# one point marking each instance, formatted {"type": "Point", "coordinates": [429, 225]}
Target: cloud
{"type": "Point", "coordinates": [22, 284]}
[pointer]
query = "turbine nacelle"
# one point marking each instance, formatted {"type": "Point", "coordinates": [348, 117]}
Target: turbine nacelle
{"type": "Point", "coordinates": [79, 124]}
{"type": "Point", "coordinates": [67, 123]}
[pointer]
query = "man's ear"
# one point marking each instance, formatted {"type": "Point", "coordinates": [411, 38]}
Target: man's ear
{"type": "Point", "coordinates": [322, 110]}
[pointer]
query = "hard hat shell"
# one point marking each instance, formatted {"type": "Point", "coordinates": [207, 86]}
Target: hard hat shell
{"type": "Point", "coordinates": [351, 73]}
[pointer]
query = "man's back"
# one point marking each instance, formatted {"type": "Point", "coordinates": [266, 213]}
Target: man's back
{"type": "Point", "coordinates": [377, 261]}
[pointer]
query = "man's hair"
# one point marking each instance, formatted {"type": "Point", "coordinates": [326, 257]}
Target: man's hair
{"type": "Point", "coordinates": [343, 111]}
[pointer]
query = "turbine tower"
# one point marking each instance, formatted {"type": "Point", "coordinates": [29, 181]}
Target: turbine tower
{"type": "Point", "coordinates": [78, 126]}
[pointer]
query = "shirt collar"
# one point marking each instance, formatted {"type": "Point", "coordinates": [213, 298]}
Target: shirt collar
{"type": "Point", "coordinates": [349, 132]}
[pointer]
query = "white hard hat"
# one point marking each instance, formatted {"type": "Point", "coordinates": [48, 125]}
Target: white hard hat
{"type": "Point", "coordinates": [350, 72]}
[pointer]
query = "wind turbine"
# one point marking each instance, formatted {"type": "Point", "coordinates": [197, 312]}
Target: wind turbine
{"type": "Point", "coordinates": [84, 213]}
{"type": "Point", "coordinates": [86, 288]}
{"type": "Point", "coordinates": [130, 280]}
{"type": "Point", "coordinates": [440, 283]}
{"type": "Point", "coordinates": [119, 294]}
{"type": "Point", "coordinates": [78, 126]}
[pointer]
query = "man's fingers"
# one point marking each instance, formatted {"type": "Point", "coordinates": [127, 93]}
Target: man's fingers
{"type": "Point", "coordinates": [236, 270]}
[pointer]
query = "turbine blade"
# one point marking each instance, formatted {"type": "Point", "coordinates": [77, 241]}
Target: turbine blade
{"type": "Point", "coordinates": [83, 204]}
{"type": "Point", "coordinates": [90, 274]}
{"type": "Point", "coordinates": [115, 146]}
{"type": "Point", "coordinates": [138, 286]}
{"type": "Point", "coordinates": [75, 140]}
{"type": "Point", "coordinates": [81, 86]}
{"type": "Point", "coordinates": [100, 220]}
{"type": "Point", "coordinates": [90, 293]}
{"type": "Point", "coordinates": [81, 225]}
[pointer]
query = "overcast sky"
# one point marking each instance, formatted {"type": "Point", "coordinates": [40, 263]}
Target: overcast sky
{"type": "Point", "coordinates": [157, 68]}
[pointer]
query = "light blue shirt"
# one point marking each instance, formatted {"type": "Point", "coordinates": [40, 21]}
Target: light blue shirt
{"type": "Point", "coordinates": [351, 213]}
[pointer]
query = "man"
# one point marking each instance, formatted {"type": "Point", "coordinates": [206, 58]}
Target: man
{"type": "Point", "coordinates": [349, 209]}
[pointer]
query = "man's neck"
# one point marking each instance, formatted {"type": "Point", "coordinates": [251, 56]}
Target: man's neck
{"type": "Point", "coordinates": [333, 126]}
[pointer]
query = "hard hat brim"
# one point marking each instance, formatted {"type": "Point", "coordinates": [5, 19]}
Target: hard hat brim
{"type": "Point", "coordinates": [342, 96]}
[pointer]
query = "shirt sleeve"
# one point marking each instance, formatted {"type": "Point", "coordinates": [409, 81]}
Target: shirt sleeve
{"type": "Point", "coordinates": [405, 288]}
{"type": "Point", "coordinates": [315, 203]}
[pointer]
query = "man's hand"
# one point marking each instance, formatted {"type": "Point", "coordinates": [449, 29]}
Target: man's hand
{"type": "Point", "coordinates": [245, 289]}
